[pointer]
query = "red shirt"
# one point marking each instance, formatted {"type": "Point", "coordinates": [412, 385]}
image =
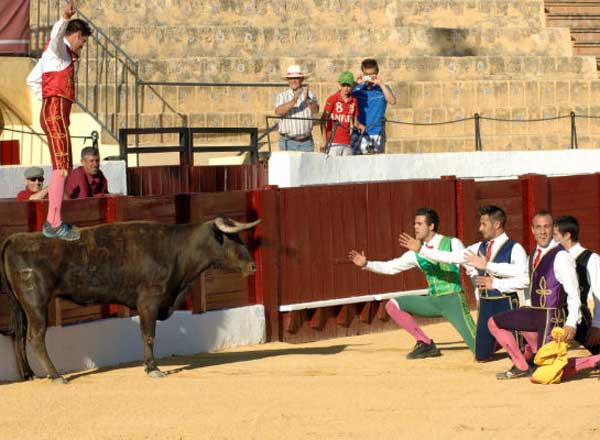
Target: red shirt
{"type": "Point", "coordinates": [81, 185]}
{"type": "Point", "coordinates": [24, 195]}
{"type": "Point", "coordinates": [342, 111]}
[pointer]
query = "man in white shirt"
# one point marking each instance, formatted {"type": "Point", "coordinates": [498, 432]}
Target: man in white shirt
{"type": "Point", "coordinates": [296, 106]}
{"type": "Point", "coordinates": [566, 232]}
{"type": "Point", "coordinates": [498, 266]}
{"type": "Point", "coordinates": [445, 298]}
{"type": "Point", "coordinates": [555, 300]}
{"type": "Point", "coordinates": [53, 81]}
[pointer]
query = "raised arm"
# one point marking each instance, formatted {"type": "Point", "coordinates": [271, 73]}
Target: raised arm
{"type": "Point", "coordinates": [58, 30]}
{"type": "Point", "coordinates": [387, 91]}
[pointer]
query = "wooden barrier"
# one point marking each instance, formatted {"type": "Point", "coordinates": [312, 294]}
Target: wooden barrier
{"type": "Point", "coordinates": [164, 180]}
{"type": "Point", "coordinates": [301, 246]}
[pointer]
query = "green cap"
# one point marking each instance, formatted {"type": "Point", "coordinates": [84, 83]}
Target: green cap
{"type": "Point", "coordinates": [346, 78]}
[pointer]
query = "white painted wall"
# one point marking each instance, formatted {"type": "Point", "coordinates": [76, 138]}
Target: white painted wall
{"type": "Point", "coordinates": [12, 180]}
{"type": "Point", "coordinates": [113, 341]}
{"type": "Point", "coordinates": [293, 169]}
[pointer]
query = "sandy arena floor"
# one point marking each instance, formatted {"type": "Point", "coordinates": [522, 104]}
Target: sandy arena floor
{"type": "Point", "coordinates": [360, 387]}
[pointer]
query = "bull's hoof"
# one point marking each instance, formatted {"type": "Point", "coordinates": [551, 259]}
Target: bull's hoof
{"type": "Point", "coordinates": [156, 374]}
{"type": "Point", "coordinates": [59, 380]}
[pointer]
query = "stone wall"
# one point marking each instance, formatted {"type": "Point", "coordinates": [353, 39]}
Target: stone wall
{"type": "Point", "coordinates": [444, 59]}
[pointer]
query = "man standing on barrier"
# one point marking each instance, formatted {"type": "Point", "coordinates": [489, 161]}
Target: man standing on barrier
{"type": "Point", "coordinates": [296, 107]}
{"type": "Point", "coordinates": [53, 81]}
{"type": "Point", "coordinates": [498, 266]}
{"type": "Point", "coordinates": [445, 298]}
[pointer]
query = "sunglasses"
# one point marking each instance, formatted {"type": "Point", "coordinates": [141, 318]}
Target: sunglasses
{"type": "Point", "coordinates": [38, 179]}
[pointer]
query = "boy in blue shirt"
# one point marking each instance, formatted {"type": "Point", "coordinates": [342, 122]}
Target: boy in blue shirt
{"type": "Point", "coordinates": [373, 96]}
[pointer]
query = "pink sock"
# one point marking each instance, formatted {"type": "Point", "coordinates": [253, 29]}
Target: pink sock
{"type": "Point", "coordinates": [507, 340]}
{"type": "Point", "coordinates": [532, 344]}
{"type": "Point", "coordinates": [56, 191]}
{"type": "Point", "coordinates": [406, 321]}
{"type": "Point", "coordinates": [577, 365]}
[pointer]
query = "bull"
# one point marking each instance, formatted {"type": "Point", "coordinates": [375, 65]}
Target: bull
{"type": "Point", "coordinates": [143, 265]}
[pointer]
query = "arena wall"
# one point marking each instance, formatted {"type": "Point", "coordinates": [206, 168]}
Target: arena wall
{"type": "Point", "coordinates": [295, 169]}
{"type": "Point", "coordinates": [111, 342]}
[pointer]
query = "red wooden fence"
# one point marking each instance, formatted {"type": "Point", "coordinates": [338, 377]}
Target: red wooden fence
{"type": "Point", "coordinates": [156, 180]}
{"type": "Point", "coordinates": [301, 245]}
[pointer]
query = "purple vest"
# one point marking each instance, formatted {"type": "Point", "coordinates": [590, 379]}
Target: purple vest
{"type": "Point", "coordinates": [546, 290]}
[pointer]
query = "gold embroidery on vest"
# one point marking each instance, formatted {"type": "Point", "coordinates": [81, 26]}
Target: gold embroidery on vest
{"type": "Point", "coordinates": [543, 291]}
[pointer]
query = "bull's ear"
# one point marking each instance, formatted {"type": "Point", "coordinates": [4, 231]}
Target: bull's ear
{"type": "Point", "coordinates": [218, 234]}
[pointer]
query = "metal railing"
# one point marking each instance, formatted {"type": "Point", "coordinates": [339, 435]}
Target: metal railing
{"type": "Point", "coordinates": [107, 79]}
{"type": "Point", "coordinates": [187, 145]}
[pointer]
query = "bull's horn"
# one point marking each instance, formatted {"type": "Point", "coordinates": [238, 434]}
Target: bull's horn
{"type": "Point", "coordinates": [220, 223]}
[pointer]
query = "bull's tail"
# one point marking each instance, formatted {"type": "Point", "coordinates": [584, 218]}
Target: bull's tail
{"type": "Point", "coordinates": [18, 320]}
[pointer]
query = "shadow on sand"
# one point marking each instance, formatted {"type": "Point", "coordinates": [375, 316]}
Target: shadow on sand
{"type": "Point", "coordinates": [202, 360]}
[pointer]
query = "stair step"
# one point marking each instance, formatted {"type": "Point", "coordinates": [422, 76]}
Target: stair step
{"type": "Point", "coordinates": [242, 69]}
{"type": "Point", "coordinates": [471, 96]}
{"type": "Point", "coordinates": [251, 41]}
{"type": "Point", "coordinates": [445, 13]}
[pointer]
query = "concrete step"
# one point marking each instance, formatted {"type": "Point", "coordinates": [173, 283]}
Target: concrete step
{"type": "Point", "coordinates": [471, 96]}
{"type": "Point", "coordinates": [241, 69]}
{"type": "Point", "coordinates": [252, 41]}
{"type": "Point", "coordinates": [585, 35]}
{"type": "Point", "coordinates": [574, 21]}
{"type": "Point", "coordinates": [444, 13]}
{"type": "Point", "coordinates": [566, 7]}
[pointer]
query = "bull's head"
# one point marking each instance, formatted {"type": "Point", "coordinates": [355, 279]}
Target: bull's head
{"type": "Point", "coordinates": [231, 253]}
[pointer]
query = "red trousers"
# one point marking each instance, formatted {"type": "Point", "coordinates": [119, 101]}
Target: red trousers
{"type": "Point", "coordinates": [55, 120]}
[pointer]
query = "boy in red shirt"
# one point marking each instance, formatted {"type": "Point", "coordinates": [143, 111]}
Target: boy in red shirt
{"type": "Point", "coordinates": [343, 108]}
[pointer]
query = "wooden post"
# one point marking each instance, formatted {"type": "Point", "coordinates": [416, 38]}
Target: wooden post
{"type": "Point", "coordinates": [115, 210]}
{"type": "Point", "coordinates": [466, 228]}
{"type": "Point", "coordinates": [265, 250]}
{"type": "Point", "coordinates": [536, 197]}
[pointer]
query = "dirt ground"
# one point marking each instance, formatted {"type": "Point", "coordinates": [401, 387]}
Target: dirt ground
{"type": "Point", "coordinates": [360, 387]}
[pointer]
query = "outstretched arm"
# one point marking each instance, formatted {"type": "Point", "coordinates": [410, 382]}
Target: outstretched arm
{"type": "Point", "coordinates": [407, 261]}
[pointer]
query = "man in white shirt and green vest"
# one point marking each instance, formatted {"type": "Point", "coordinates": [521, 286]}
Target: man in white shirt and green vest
{"type": "Point", "coordinates": [445, 298]}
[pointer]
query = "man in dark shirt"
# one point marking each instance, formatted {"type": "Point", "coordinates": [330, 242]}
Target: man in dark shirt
{"type": "Point", "coordinates": [34, 185]}
{"type": "Point", "coordinates": [87, 180]}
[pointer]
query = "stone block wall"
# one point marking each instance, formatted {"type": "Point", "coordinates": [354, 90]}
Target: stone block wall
{"type": "Point", "coordinates": [444, 59]}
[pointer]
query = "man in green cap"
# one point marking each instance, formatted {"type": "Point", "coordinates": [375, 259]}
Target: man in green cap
{"type": "Point", "coordinates": [339, 117]}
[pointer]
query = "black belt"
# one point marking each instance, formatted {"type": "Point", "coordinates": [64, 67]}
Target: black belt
{"type": "Point", "coordinates": [296, 138]}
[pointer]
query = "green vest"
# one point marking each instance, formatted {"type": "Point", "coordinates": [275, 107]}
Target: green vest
{"type": "Point", "coordinates": [443, 278]}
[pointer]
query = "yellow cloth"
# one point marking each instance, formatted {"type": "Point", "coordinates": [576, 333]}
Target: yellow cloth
{"type": "Point", "coordinates": [551, 359]}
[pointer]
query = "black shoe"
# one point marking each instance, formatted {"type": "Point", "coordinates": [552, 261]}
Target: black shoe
{"type": "Point", "coordinates": [422, 350]}
{"type": "Point", "coordinates": [515, 373]}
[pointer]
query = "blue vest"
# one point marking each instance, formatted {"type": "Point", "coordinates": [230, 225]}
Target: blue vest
{"type": "Point", "coordinates": [502, 256]}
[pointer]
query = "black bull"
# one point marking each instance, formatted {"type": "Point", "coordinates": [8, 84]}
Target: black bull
{"type": "Point", "coordinates": [143, 265]}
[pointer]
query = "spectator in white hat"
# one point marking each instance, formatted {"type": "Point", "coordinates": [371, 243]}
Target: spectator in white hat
{"type": "Point", "coordinates": [296, 106]}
